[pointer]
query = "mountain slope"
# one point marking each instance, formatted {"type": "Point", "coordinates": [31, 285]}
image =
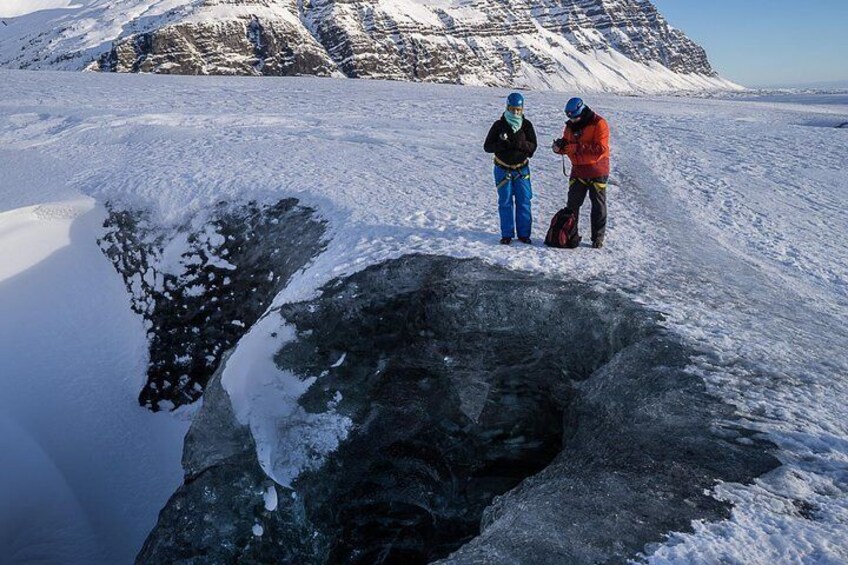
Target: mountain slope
{"type": "Point", "coordinates": [598, 45]}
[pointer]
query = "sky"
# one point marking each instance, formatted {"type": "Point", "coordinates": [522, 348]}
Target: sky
{"type": "Point", "coordinates": [767, 42]}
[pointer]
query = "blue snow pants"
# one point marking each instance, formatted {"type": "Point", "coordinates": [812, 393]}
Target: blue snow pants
{"type": "Point", "coordinates": [514, 184]}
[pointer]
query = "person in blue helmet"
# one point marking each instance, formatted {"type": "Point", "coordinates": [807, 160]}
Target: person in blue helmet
{"type": "Point", "coordinates": [585, 140]}
{"type": "Point", "coordinates": [513, 141]}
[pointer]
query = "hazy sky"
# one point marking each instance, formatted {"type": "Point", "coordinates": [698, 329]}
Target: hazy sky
{"type": "Point", "coordinates": [767, 42]}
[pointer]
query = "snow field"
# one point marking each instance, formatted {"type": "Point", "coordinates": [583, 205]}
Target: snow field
{"type": "Point", "coordinates": [85, 469]}
{"type": "Point", "coordinates": [728, 216]}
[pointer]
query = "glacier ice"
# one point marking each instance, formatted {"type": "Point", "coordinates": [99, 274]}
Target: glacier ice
{"type": "Point", "coordinates": [199, 304]}
{"type": "Point", "coordinates": [497, 417]}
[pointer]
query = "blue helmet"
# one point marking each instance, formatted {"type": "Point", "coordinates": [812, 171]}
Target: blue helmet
{"type": "Point", "coordinates": [574, 107]}
{"type": "Point", "coordinates": [515, 99]}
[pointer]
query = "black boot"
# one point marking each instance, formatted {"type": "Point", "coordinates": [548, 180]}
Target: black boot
{"type": "Point", "coordinates": [506, 240]}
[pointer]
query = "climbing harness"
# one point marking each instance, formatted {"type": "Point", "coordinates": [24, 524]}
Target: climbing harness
{"type": "Point", "coordinates": [503, 165]}
{"type": "Point", "coordinates": [597, 184]}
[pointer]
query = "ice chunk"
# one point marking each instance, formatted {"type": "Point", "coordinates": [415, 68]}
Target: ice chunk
{"type": "Point", "coordinates": [339, 362]}
{"type": "Point", "coordinates": [270, 497]}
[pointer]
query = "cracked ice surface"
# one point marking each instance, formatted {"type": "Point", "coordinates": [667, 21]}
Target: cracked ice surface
{"type": "Point", "coordinates": [457, 384]}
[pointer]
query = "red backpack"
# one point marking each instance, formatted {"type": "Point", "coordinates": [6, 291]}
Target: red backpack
{"type": "Point", "coordinates": [563, 230]}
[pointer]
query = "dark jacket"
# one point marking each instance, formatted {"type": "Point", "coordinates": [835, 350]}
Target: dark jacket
{"type": "Point", "coordinates": [518, 147]}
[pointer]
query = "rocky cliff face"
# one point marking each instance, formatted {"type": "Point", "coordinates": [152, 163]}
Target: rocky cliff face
{"type": "Point", "coordinates": [611, 45]}
{"type": "Point", "coordinates": [241, 44]}
{"type": "Point", "coordinates": [632, 27]}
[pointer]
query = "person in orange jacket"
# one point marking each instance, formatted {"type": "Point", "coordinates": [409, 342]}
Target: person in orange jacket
{"type": "Point", "coordinates": [585, 140]}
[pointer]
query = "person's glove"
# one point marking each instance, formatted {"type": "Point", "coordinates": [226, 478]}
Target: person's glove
{"type": "Point", "coordinates": [503, 136]}
{"type": "Point", "coordinates": [557, 144]}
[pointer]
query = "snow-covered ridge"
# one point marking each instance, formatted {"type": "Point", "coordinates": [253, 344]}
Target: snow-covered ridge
{"type": "Point", "coordinates": [596, 45]}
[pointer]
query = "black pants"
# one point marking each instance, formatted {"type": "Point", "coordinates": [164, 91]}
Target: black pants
{"type": "Point", "coordinates": [597, 189]}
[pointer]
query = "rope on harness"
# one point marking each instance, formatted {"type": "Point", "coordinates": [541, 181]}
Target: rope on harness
{"type": "Point", "coordinates": [513, 171]}
{"type": "Point", "coordinates": [511, 176]}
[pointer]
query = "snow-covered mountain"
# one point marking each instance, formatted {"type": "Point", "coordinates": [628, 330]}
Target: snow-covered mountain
{"type": "Point", "coordinates": [597, 45]}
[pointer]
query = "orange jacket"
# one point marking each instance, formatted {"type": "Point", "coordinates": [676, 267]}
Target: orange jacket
{"type": "Point", "coordinates": [587, 146]}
